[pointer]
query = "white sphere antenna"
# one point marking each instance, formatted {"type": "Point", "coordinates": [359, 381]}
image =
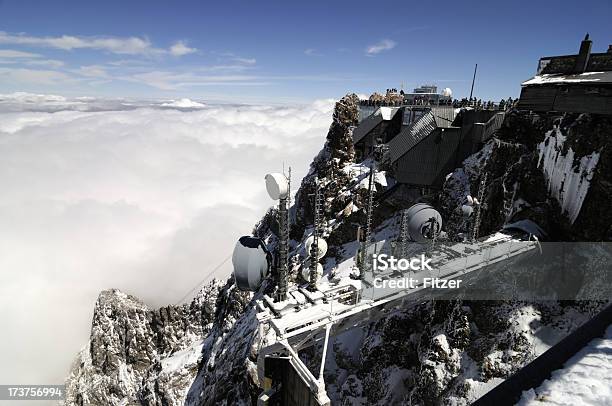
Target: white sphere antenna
{"type": "Point", "coordinates": [467, 210]}
{"type": "Point", "coordinates": [277, 186]}
{"type": "Point", "coordinates": [423, 222]}
{"type": "Point", "coordinates": [321, 246]}
{"type": "Point", "coordinates": [306, 271]}
{"type": "Point", "coordinates": [447, 92]}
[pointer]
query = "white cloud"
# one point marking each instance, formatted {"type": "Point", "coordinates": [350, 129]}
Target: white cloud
{"type": "Point", "coordinates": [51, 63]}
{"type": "Point", "coordinates": [311, 52]}
{"type": "Point", "coordinates": [183, 104]}
{"type": "Point", "coordinates": [180, 49]}
{"type": "Point", "coordinates": [93, 71]}
{"type": "Point", "coordinates": [116, 45]}
{"type": "Point", "coordinates": [380, 46]}
{"type": "Point", "coordinates": [25, 76]}
{"type": "Point", "coordinates": [168, 80]}
{"type": "Point", "coordinates": [11, 56]}
{"type": "Point", "coordinates": [11, 53]}
{"type": "Point", "coordinates": [146, 200]}
{"type": "Point", "coordinates": [245, 61]}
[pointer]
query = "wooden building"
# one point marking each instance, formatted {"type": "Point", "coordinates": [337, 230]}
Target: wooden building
{"type": "Point", "coordinates": [579, 83]}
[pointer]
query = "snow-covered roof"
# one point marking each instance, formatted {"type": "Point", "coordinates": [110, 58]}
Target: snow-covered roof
{"type": "Point", "coordinates": [557, 78]}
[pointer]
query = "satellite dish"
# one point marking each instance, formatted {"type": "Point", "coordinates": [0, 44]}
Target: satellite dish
{"type": "Point", "coordinates": [424, 222]}
{"type": "Point", "coordinates": [277, 185]}
{"type": "Point", "coordinates": [306, 271]}
{"type": "Point", "coordinates": [467, 210]}
{"type": "Point", "coordinates": [251, 260]}
{"type": "Point", "coordinates": [321, 245]}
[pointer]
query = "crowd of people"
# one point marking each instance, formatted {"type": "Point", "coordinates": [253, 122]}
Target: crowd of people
{"type": "Point", "coordinates": [479, 104]}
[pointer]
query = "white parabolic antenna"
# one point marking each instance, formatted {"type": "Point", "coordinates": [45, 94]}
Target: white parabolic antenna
{"type": "Point", "coordinates": [277, 185]}
{"type": "Point", "coordinates": [423, 222]}
{"type": "Point", "coordinates": [306, 271]}
{"type": "Point", "coordinates": [321, 246]}
{"type": "Point", "coordinates": [251, 261]}
{"type": "Point", "coordinates": [467, 210]}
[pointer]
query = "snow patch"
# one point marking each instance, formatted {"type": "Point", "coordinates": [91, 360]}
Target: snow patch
{"type": "Point", "coordinates": [586, 378]}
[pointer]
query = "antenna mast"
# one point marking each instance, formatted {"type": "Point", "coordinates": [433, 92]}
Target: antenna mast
{"type": "Point", "coordinates": [481, 192]}
{"type": "Point", "coordinates": [403, 235]}
{"type": "Point", "coordinates": [368, 225]}
{"type": "Point", "coordinates": [314, 248]}
{"type": "Point", "coordinates": [282, 249]}
{"type": "Point", "coordinates": [473, 80]}
{"type": "Point", "coordinates": [288, 202]}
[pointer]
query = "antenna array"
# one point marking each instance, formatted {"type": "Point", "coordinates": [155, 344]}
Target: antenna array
{"type": "Point", "coordinates": [314, 247]}
{"type": "Point", "coordinates": [481, 192]}
{"type": "Point", "coordinates": [282, 249]}
{"type": "Point", "coordinates": [403, 236]}
{"type": "Point", "coordinates": [368, 226]}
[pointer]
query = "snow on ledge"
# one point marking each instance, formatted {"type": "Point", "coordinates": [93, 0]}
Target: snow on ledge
{"type": "Point", "coordinates": [555, 78]}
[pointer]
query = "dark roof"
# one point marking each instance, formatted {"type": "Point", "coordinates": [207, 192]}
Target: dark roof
{"type": "Point", "coordinates": [444, 115]}
{"type": "Point", "coordinates": [369, 123]}
{"type": "Point", "coordinates": [411, 135]}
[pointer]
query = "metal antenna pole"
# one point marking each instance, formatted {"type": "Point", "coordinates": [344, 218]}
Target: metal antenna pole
{"type": "Point", "coordinates": [288, 202]}
{"type": "Point", "coordinates": [314, 248]}
{"type": "Point", "coordinates": [282, 249]}
{"type": "Point", "coordinates": [473, 80]}
{"type": "Point", "coordinates": [481, 192]}
{"type": "Point", "coordinates": [435, 226]}
{"type": "Point", "coordinates": [368, 225]}
{"type": "Point", "coordinates": [403, 235]}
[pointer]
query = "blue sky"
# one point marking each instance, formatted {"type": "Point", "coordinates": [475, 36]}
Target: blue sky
{"type": "Point", "coordinates": [266, 51]}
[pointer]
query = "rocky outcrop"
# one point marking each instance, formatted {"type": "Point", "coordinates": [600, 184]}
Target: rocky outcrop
{"type": "Point", "coordinates": [517, 178]}
{"type": "Point", "coordinates": [137, 355]}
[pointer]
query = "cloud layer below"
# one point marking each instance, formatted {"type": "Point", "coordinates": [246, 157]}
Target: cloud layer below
{"type": "Point", "coordinates": [145, 197]}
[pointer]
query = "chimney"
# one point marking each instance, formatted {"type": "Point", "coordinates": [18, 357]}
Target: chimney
{"type": "Point", "coordinates": [610, 49]}
{"type": "Point", "coordinates": [582, 59]}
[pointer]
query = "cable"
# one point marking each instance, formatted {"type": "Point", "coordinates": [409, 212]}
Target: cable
{"type": "Point", "coordinates": [203, 280]}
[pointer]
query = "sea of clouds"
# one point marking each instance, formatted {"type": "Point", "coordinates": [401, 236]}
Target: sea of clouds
{"type": "Point", "coordinates": [144, 196]}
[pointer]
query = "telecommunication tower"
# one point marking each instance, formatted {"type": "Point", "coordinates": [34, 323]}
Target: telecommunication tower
{"type": "Point", "coordinates": [315, 251]}
{"type": "Point", "coordinates": [481, 193]}
{"type": "Point", "coordinates": [278, 188]}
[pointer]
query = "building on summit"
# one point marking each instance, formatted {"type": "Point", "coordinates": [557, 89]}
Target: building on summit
{"type": "Point", "coordinates": [579, 83]}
